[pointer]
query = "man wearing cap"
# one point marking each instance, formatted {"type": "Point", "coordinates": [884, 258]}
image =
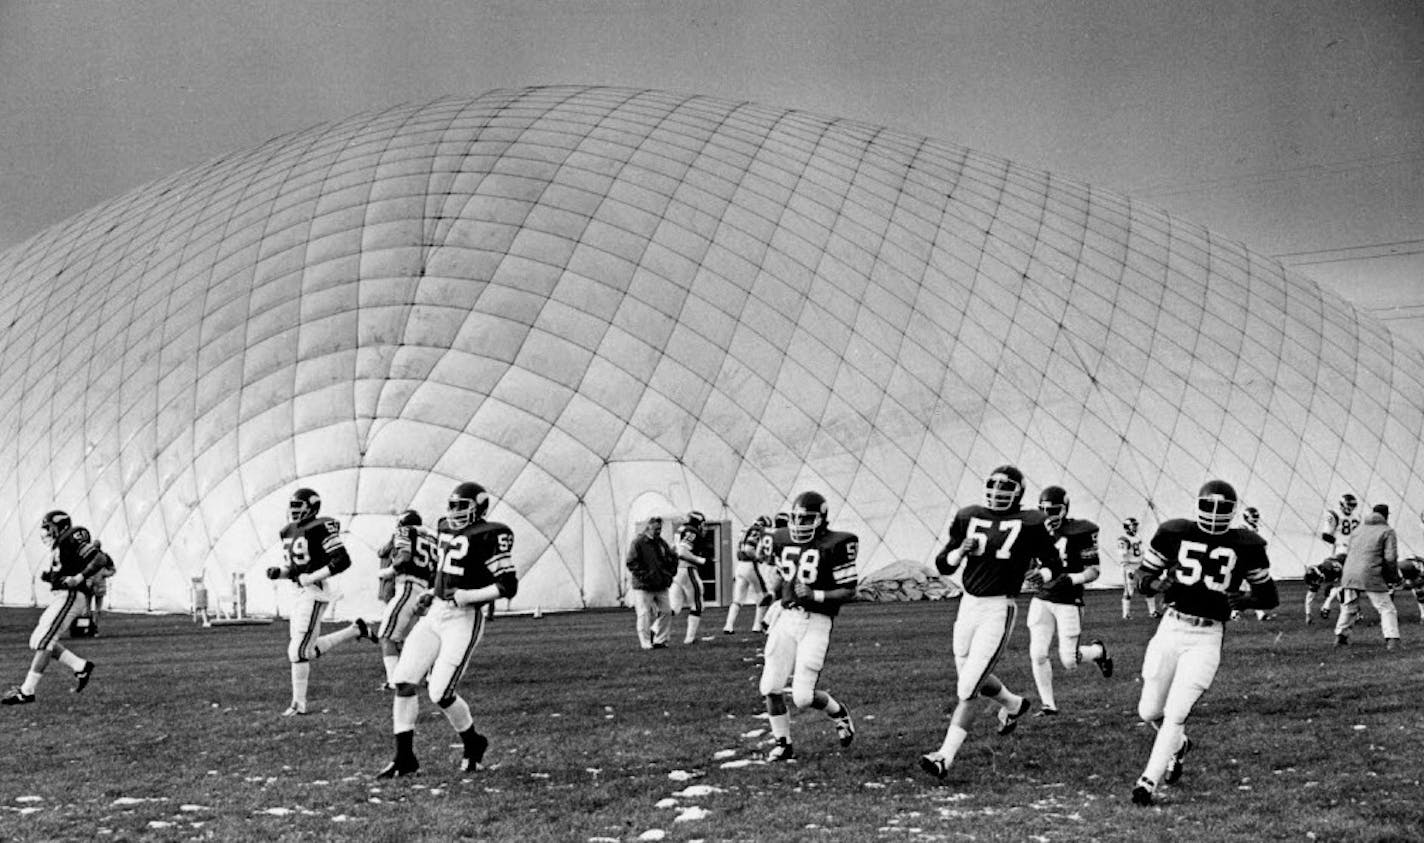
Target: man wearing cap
{"type": "Point", "coordinates": [651, 567]}
{"type": "Point", "coordinates": [1371, 568]}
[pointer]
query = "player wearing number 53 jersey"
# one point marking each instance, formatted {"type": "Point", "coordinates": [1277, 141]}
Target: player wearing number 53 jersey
{"type": "Point", "coordinates": [817, 568]}
{"type": "Point", "coordinates": [314, 554]}
{"type": "Point", "coordinates": [996, 543]}
{"type": "Point", "coordinates": [1200, 565]}
{"type": "Point", "coordinates": [476, 568]}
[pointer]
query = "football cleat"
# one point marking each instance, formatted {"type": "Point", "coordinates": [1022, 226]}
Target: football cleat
{"type": "Point", "coordinates": [399, 768]}
{"type": "Point", "coordinates": [1142, 793]}
{"type": "Point", "coordinates": [82, 675]}
{"type": "Point", "coordinates": [1342, 640]}
{"type": "Point", "coordinates": [934, 764]}
{"type": "Point", "coordinates": [16, 696]}
{"type": "Point", "coordinates": [1174, 767]}
{"type": "Point", "coordinates": [474, 752]}
{"type": "Point", "coordinates": [386, 686]}
{"type": "Point", "coordinates": [296, 709]}
{"type": "Point", "coordinates": [1104, 662]}
{"type": "Point", "coordinates": [1324, 613]}
{"type": "Point", "coordinates": [1046, 712]}
{"type": "Point", "coordinates": [781, 750]}
{"type": "Point", "coordinates": [845, 729]}
{"type": "Point", "coordinates": [1009, 722]}
{"type": "Point", "coordinates": [1154, 614]}
{"type": "Point", "coordinates": [363, 630]}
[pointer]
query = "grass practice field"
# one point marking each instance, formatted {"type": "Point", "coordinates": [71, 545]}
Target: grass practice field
{"type": "Point", "coordinates": [178, 737]}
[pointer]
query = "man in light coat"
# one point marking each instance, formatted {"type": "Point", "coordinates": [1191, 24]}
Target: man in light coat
{"type": "Point", "coordinates": [1371, 568]}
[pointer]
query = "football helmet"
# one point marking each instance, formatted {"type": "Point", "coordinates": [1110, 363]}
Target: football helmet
{"type": "Point", "coordinates": [1053, 503]}
{"type": "Point", "coordinates": [1216, 505]}
{"type": "Point", "coordinates": [1004, 488]}
{"type": "Point", "coordinates": [696, 520]}
{"type": "Point", "coordinates": [54, 523]}
{"type": "Point", "coordinates": [303, 506]}
{"type": "Point", "coordinates": [1252, 516]}
{"type": "Point", "coordinates": [762, 521]}
{"type": "Point", "coordinates": [1129, 526]}
{"type": "Point", "coordinates": [409, 518]}
{"type": "Point", "coordinates": [784, 518]}
{"type": "Point", "coordinates": [1348, 502]}
{"type": "Point", "coordinates": [809, 515]}
{"type": "Point", "coordinates": [467, 505]}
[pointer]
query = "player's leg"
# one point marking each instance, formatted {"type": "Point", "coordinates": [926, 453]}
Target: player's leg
{"type": "Point", "coordinates": [1349, 613]}
{"type": "Point", "coordinates": [1041, 626]}
{"type": "Point", "coordinates": [302, 632]}
{"type": "Point", "coordinates": [1419, 601]}
{"type": "Point", "coordinates": [460, 634]}
{"type": "Point", "coordinates": [693, 587]}
{"type": "Point", "coordinates": [1126, 592]}
{"type": "Point", "coordinates": [739, 593]}
{"type": "Point", "coordinates": [810, 658]}
{"type": "Point", "coordinates": [356, 630]}
{"type": "Point", "coordinates": [1333, 595]}
{"type": "Point", "coordinates": [1070, 626]}
{"type": "Point", "coordinates": [1197, 657]}
{"type": "Point", "coordinates": [418, 654]}
{"type": "Point", "coordinates": [63, 608]}
{"type": "Point", "coordinates": [981, 630]}
{"type": "Point", "coordinates": [396, 620]}
{"type": "Point", "coordinates": [779, 663]}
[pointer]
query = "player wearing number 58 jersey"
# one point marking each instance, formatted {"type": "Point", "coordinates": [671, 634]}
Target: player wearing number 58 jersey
{"type": "Point", "coordinates": [818, 574]}
{"type": "Point", "coordinates": [1200, 565]}
{"type": "Point", "coordinates": [476, 568]}
{"type": "Point", "coordinates": [314, 554]}
{"type": "Point", "coordinates": [996, 544]}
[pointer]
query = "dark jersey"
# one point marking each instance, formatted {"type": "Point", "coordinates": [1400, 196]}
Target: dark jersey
{"type": "Point", "coordinates": [75, 552]}
{"type": "Point", "coordinates": [1326, 572]}
{"type": "Point", "coordinates": [825, 562]}
{"type": "Point", "coordinates": [1011, 543]}
{"type": "Point", "coordinates": [1076, 541]}
{"type": "Point", "coordinates": [478, 555]}
{"type": "Point", "coordinates": [312, 545]}
{"type": "Point", "coordinates": [414, 551]}
{"type": "Point", "coordinates": [687, 541]}
{"type": "Point", "coordinates": [1202, 568]}
{"type": "Point", "coordinates": [747, 547]}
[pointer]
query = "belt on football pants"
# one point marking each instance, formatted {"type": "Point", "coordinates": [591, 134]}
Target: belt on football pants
{"type": "Point", "coordinates": [1192, 620]}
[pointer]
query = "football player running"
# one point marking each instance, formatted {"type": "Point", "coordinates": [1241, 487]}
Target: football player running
{"type": "Point", "coordinates": [1057, 604]}
{"type": "Point", "coordinates": [746, 582]}
{"type": "Point", "coordinates": [476, 567]}
{"type": "Point", "coordinates": [314, 554]}
{"type": "Point", "coordinates": [1199, 564]}
{"type": "Point", "coordinates": [996, 543]}
{"type": "Point", "coordinates": [411, 572]}
{"type": "Point", "coordinates": [1129, 556]}
{"type": "Point", "coordinates": [1335, 529]}
{"type": "Point", "coordinates": [74, 558]}
{"type": "Point", "coordinates": [687, 586]}
{"type": "Point", "coordinates": [818, 574]}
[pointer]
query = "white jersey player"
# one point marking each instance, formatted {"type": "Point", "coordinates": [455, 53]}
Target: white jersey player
{"type": "Point", "coordinates": [1129, 556]}
{"type": "Point", "coordinates": [1336, 526]}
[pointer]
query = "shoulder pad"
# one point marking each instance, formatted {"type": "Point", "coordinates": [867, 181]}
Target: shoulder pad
{"type": "Point", "coordinates": [1176, 526]}
{"type": "Point", "coordinates": [1079, 526]}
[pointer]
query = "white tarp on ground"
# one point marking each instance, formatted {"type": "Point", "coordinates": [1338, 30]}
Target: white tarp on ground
{"type": "Point", "coordinates": [595, 301]}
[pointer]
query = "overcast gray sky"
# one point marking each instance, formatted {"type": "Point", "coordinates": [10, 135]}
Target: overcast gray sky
{"type": "Point", "coordinates": [1295, 126]}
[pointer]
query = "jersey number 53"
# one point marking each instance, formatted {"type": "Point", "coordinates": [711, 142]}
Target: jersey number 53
{"type": "Point", "coordinates": [1196, 565]}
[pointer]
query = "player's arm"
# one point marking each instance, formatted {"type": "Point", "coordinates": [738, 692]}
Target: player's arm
{"type": "Point", "coordinates": [844, 576]}
{"type": "Point", "coordinates": [501, 565]}
{"type": "Point", "coordinates": [960, 545]}
{"type": "Point", "coordinates": [1328, 527]}
{"type": "Point", "coordinates": [93, 559]}
{"type": "Point", "coordinates": [1151, 574]}
{"type": "Point", "coordinates": [1263, 594]}
{"type": "Point", "coordinates": [684, 552]}
{"type": "Point", "coordinates": [1088, 559]}
{"type": "Point", "coordinates": [337, 559]}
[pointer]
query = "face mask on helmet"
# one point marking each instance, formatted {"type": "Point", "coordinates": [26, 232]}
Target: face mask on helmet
{"type": "Point", "coordinates": [1130, 526]}
{"type": "Point", "coordinates": [1004, 488]}
{"type": "Point", "coordinates": [468, 504]}
{"type": "Point", "coordinates": [53, 525]}
{"type": "Point", "coordinates": [1216, 505]}
{"type": "Point", "coordinates": [1252, 517]}
{"type": "Point", "coordinates": [1053, 503]}
{"type": "Point", "coordinates": [808, 515]}
{"type": "Point", "coordinates": [304, 505]}
{"type": "Point", "coordinates": [1348, 502]}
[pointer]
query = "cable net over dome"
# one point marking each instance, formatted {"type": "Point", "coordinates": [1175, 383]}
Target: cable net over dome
{"type": "Point", "coordinates": [604, 303]}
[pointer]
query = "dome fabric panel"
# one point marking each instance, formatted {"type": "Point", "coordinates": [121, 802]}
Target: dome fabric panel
{"type": "Point", "coordinates": [603, 302]}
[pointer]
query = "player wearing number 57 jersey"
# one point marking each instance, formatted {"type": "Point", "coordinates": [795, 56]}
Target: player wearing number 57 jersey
{"type": "Point", "coordinates": [818, 574]}
{"type": "Point", "coordinates": [996, 544]}
{"type": "Point", "coordinates": [314, 554]}
{"type": "Point", "coordinates": [1200, 565]}
{"type": "Point", "coordinates": [476, 568]}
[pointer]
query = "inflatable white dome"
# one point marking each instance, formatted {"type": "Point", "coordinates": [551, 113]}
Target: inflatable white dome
{"type": "Point", "coordinates": [603, 303]}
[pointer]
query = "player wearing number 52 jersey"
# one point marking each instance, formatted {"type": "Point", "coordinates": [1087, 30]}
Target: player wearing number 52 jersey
{"type": "Point", "coordinates": [818, 574]}
{"type": "Point", "coordinates": [996, 543]}
{"type": "Point", "coordinates": [476, 568]}
{"type": "Point", "coordinates": [314, 554]}
{"type": "Point", "coordinates": [1200, 565]}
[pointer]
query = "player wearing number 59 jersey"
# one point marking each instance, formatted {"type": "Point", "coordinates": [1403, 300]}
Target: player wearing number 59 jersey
{"type": "Point", "coordinates": [818, 574]}
{"type": "Point", "coordinates": [996, 543]}
{"type": "Point", "coordinates": [476, 568]}
{"type": "Point", "coordinates": [314, 554]}
{"type": "Point", "coordinates": [1200, 565]}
